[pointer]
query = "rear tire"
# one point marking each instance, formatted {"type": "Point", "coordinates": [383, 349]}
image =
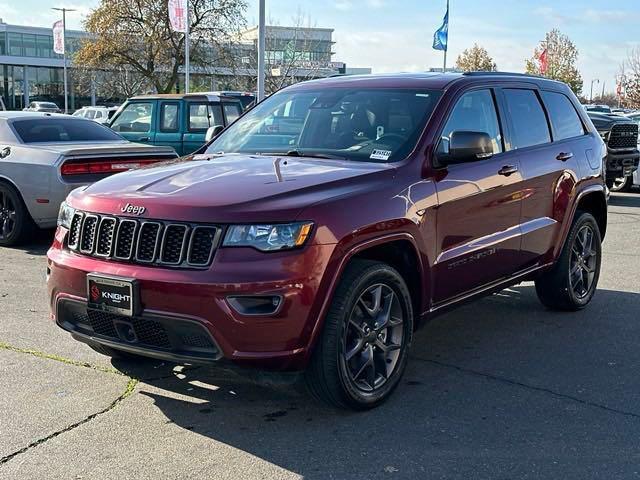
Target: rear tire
{"type": "Point", "coordinates": [363, 350]}
{"type": "Point", "coordinates": [15, 222]}
{"type": "Point", "coordinates": [572, 281]}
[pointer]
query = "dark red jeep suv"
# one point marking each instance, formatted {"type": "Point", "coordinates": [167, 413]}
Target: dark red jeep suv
{"type": "Point", "coordinates": [318, 230]}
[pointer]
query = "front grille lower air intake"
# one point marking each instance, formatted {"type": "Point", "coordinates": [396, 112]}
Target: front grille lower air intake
{"type": "Point", "coordinates": [148, 242]}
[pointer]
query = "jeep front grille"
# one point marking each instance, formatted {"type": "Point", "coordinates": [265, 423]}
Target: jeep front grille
{"type": "Point", "coordinates": [149, 242]}
{"type": "Point", "coordinates": [623, 135]}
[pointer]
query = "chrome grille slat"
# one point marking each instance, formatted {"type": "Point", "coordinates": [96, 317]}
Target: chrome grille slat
{"type": "Point", "coordinates": [104, 241]}
{"type": "Point", "coordinates": [125, 239]}
{"type": "Point", "coordinates": [88, 233]}
{"type": "Point", "coordinates": [74, 230]}
{"type": "Point", "coordinates": [172, 248]}
{"type": "Point", "coordinates": [147, 242]}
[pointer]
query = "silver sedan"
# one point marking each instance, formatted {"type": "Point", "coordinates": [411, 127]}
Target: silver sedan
{"type": "Point", "coordinates": [44, 156]}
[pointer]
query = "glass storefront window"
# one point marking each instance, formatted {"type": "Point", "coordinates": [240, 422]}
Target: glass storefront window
{"type": "Point", "coordinates": [29, 44]}
{"type": "Point", "coordinates": [44, 46]}
{"type": "Point", "coordinates": [15, 44]}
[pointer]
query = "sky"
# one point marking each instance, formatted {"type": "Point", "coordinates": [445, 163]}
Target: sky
{"type": "Point", "coordinates": [396, 35]}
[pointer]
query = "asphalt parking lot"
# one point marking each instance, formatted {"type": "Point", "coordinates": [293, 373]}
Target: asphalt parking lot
{"type": "Point", "coordinates": [500, 388]}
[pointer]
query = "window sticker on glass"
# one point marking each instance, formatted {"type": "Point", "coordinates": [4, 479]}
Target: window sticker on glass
{"type": "Point", "coordinates": [380, 155]}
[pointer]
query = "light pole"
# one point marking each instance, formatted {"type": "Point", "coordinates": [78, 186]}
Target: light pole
{"type": "Point", "coordinates": [261, 50]}
{"type": "Point", "coordinates": [591, 94]}
{"type": "Point", "coordinates": [64, 54]}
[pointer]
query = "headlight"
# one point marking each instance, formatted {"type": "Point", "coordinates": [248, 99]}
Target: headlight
{"type": "Point", "coordinates": [65, 215]}
{"type": "Point", "coordinates": [268, 237]}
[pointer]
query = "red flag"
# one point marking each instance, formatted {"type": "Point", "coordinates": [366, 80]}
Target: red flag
{"type": "Point", "coordinates": [178, 15]}
{"type": "Point", "coordinates": [58, 37]}
{"type": "Point", "coordinates": [542, 60]}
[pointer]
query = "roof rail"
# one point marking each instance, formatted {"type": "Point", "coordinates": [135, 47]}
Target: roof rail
{"type": "Point", "coordinates": [506, 74]}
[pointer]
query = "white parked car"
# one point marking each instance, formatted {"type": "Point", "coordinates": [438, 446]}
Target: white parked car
{"type": "Point", "coordinates": [624, 184]}
{"type": "Point", "coordinates": [44, 156]}
{"type": "Point", "coordinates": [97, 114]}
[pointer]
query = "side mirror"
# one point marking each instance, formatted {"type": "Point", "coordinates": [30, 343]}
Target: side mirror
{"type": "Point", "coordinates": [213, 132]}
{"type": "Point", "coordinates": [467, 146]}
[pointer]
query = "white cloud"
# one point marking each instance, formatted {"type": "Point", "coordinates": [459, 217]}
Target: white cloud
{"type": "Point", "coordinates": [342, 5]}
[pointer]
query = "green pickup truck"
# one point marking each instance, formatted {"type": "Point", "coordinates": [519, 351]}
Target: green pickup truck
{"type": "Point", "coordinates": [180, 121]}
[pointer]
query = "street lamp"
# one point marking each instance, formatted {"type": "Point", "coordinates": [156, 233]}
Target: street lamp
{"type": "Point", "coordinates": [64, 54]}
{"type": "Point", "coordinates": [261, 50]}
{"type": "Point", "coordinates": [591, 94]}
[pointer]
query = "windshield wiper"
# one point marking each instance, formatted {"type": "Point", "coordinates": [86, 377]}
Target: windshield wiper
{"type": "Point", "coordinates": [298, 153]}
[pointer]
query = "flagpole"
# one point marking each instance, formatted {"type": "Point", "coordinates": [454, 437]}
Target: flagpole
{"type": "Point", "coordinates": [444, 67]}
{"type": "Point", "coordinates": [186, 49]}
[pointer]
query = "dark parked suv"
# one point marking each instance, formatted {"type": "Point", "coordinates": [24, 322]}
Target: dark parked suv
{"type": "Point", "coordinates": [320, 229]}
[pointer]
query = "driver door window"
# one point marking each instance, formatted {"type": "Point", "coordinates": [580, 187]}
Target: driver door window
{"type": "Point", "coordinates": [474, 112]}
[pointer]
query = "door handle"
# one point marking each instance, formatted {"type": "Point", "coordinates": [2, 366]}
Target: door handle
{"type": "Point", "coordinates": [5, 152]}
{"type": "Point", "coordinates": [507, 170]}
{"type": "Point", "coordinates": [564, 156]}
{"type": "Point", "coordinates": [144, 139]}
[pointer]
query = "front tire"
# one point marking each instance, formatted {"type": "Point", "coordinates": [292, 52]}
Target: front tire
{"type": "Point", "coordinates": [572, 282]}
{"type": "Point", "coordinates": [363, 351]}
{"type": "Point", "coordinates": [622, 184]}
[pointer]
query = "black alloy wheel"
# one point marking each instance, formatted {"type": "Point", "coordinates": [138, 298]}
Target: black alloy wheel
{"type": "Point", "coordinates": [571, 283]}
{"type": "Point", "coordinates": [583, 263]}
{"type": "Point", "coordinates": [372, 338]}
{"type": "Point", "coordinates": [364, 347]}
{"type": "Point", "coordinates": [7, 215]}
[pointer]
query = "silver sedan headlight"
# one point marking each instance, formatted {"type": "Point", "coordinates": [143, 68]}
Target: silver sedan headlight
{"type": "Point", "coordinates": [268, 237]}
{"type": "Point", "coordinates": [65, 215]}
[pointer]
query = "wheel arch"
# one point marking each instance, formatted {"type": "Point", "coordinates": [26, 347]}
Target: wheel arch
{"type": "Point", "coordinates": [593, 201]}
{"type": "Point", "coordinates": [372, 249]}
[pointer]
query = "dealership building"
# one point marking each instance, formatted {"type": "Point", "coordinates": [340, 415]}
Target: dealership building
{"type": "Point", "coordinates": [31, 71]}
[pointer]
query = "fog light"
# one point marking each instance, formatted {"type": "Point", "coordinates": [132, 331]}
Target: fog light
{"type": "Point", "coordinates": [255, 305]}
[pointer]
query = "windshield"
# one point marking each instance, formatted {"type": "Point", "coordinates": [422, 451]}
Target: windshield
{"type": "Point", "coordinates": [370, 124]}
{"type": "Point", "coordinates": [50, 129]}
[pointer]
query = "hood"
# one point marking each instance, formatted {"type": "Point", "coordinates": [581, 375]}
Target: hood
{"type": "Point", "coordinates": [230, 188]}
{"type": "Point", "coordinates": [604, 121]}
{"type": "Point", "coordinates": [99, 148]}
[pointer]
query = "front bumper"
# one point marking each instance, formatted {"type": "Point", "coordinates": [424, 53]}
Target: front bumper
{"type": "Point", "coordinates": [621, 164]}
{"type": "Point", "coordinates": [174, 298]}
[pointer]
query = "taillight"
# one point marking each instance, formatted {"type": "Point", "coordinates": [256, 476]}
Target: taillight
{"type": "Point", "coordinates": [102, 167]}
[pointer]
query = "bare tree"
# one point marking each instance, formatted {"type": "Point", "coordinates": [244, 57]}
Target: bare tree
{"type": "Point", "coordinates": [475, 59]}
{"type": "Point", "coordinates": [630, 78]}
{"type": "Point", "coordinates": [136, 36]}
{"type": "Point", "coordinates": [294, 54]}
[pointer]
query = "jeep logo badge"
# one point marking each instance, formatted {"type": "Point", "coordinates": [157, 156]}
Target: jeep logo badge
{"type": "Point", "coordinates": [133, 209]}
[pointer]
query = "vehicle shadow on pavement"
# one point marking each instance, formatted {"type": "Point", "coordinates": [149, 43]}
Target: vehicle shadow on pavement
{"type": "Point", "coordinates": [502, 383]}
{"type": "Point", "coordinates": [625, 200]}
{"type": "Point", "coordinates": [38, 243]}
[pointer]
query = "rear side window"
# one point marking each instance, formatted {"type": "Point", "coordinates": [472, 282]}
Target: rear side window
{"type": "Point", "coordinates": [475, 112]}
{"type": "Point", "coordinates": [231, 112]}
{"type": "Point", "coordinates": [564, 119]}
{"type": "Point", "coordinates": [204, 115]}
{"type": "Point", "coordinates": [527, 117]}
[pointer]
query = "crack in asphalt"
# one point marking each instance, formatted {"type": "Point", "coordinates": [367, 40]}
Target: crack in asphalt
{"type": "Point", "coordinates": [57, 358]}
{"type": "Point", "coordinates": [128, 391]}
{"type": "Point", "coordinates": [517, 383]}
{"type": "Point", "coordinates": [131, 385]}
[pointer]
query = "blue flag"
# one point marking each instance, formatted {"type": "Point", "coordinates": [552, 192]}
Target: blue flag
{"type": "Point", "coordinates": [441, 37]}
